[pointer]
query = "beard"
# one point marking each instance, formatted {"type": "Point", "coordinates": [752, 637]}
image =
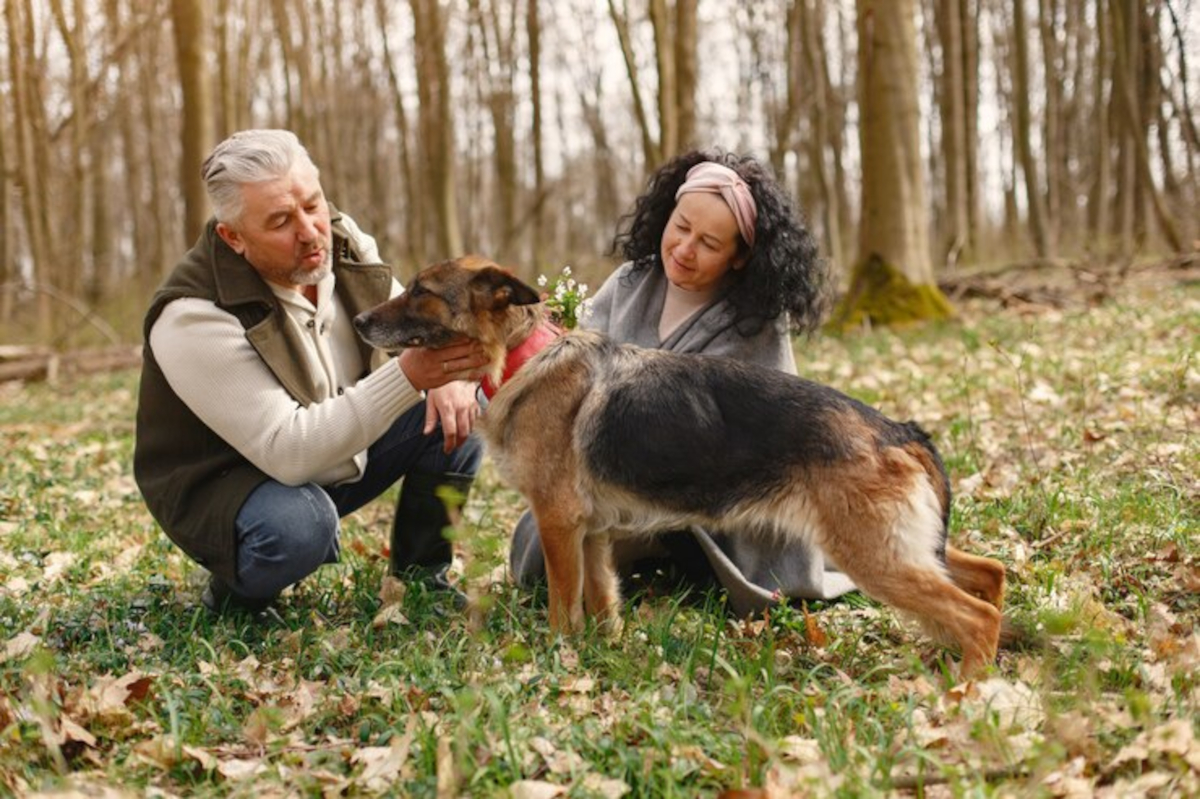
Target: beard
{"type": "Point", "coordinates": [302, 276]}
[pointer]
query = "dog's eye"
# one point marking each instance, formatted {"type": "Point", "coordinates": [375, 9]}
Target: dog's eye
{"type": "Point", "coordinates": [417, 291]}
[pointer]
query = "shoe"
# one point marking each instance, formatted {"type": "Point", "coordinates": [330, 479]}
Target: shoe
{"type": "Point", "coordinates": [219, 598]}
{"type": "Point", "coordinates": [436, 583]}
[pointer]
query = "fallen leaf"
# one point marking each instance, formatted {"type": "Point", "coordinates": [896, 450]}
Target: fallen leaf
{"type": "Point", "coordinates": [1013, 704]}
{"type": "Point", "coordinates": [382, 764]}
{"type": "Point", "coordinates": [392, 591]}
{"type": "Point", "coordinates": [239, 770]}
{"type": "Point", "coordinates": [448, 778]}
{"type": "Point", "coordinates": [606, 787]}
{"type": "Point", "coordinates": [795, 749]}
{"type": "Point", "coordinates": [389, 614]}
{"type": "Point", "coordinates": [813, 632]}
{"type": "Point", "coordinates": [20, 645]}
{"type": "Point", "coordinates": [535, 789]}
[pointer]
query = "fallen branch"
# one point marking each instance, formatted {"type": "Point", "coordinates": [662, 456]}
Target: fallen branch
{"type": "Point", "coordinates": [35, 364]}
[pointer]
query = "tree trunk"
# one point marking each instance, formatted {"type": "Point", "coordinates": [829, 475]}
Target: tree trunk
{"type": "Point", "coordinates": [533, 34]}
{"type": "Point", "coordinates": [1125, 29]}
{"type": "Point", "coordinates": [497, 39]}
{"type": "Point", "coordinates": [968, 12]}
{"type": "Point", "coordinates": [1053, 77]}
{"type": "Point", "coordinates": [811, 31]}
{"type": "Point", "coordinates": [685, 73]}
{"type": "Point", "coordinates": [955, 226]}
{"type": "Point", "coordinates": [668, 117]}
{"type": "Point", "coordinates": [1022, 132]}
{"type": "Point", "coordinates": [191, 26]}
{"type": "Point", "coordinates": [73, 230]}
{"type": "Point", "coordinates": [25, 99]}
{"type": "Point", "coordinates": [894, 279]}
{"type": "Point", "coordinates": [436, 122]}
{"type": "Point", "coordinates": [652, 152]}
{"type": "Point", "coordinates": [1098, 197]}
{"type": "Point", "coordinates": [410, 177]}
{"type": "Point", "coordinates": [8, 272]}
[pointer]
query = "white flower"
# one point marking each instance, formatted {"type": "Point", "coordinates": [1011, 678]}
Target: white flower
{"type": "Point", "coordinates": [566, 271]}
{"type": "Point", "coordinates": [583, 289]}
{"type": "Point", "coordinates": [541, 281]}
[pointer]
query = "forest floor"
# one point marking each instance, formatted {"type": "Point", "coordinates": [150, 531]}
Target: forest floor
{"type": "Point", "coordinates": [1066, 401]}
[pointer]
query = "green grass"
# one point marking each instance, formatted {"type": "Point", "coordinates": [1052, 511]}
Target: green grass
{"type": "Point", "coordinates": [1071, 441]}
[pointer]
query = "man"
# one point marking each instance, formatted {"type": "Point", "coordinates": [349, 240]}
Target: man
{"type": "Point", "coordinates": [262, 418]}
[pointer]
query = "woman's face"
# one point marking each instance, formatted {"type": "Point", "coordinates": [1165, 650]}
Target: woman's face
{"type": "Point", "coordinates": [700, 242]}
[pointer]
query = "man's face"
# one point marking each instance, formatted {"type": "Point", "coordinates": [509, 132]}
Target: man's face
{"type": "Point", "coordinates": [283, 230]}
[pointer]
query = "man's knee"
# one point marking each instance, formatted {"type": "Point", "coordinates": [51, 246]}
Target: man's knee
{"type": "Point", "coordinates": [284, 534]}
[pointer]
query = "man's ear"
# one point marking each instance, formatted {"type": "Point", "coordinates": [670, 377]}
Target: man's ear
{"type": "Point", "coordinates": [231, 237]}
{"type": "Point", "coordinates": [497, 288]}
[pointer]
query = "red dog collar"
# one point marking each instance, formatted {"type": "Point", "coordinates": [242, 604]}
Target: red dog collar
{"type": "Point", "coordinates": [538, 340]}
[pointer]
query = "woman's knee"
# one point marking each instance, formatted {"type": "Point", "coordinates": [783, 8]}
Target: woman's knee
{"type": "Point", "coordinates": [525, 561]}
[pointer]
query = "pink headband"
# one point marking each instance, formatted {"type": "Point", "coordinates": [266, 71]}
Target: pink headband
{"type": "Point", "coordinates": [710, 177]}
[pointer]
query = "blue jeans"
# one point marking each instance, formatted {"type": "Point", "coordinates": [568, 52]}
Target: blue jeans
{"type": "Point", "coordinates": [285, 532]}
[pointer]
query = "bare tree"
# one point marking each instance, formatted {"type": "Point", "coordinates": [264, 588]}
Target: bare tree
{"type": "Point", "coordinates": [31, 163]}
{"type": "Point", "coordinates": [191, 26]}
{"type": "Point", "coordinates": [1125, 18]}
{"type": "Point", "coordinates": [955, 227]}
{"type": "Point", "coordinates": [1022, 135]}
{"type": "Point", "coordinates": [893, 280]}
{"type": "Point", "coordinates": [533, 35]}
{"type": "Point", "coordinates": [497, 31]}
{"type": "Point", "coordinates": [675, 41]}
{"type": "Point", "coordinates": [436, 121]}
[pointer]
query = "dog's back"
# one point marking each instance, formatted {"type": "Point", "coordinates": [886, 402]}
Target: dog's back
{"type": "Point", "coordinates": [700, 436]}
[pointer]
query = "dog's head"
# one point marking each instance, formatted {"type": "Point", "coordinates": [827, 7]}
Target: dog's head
{"type": "Point", "coordinates": [469, 297]}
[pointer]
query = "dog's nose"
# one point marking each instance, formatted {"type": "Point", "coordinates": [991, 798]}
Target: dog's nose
{"type": "Point", "coordinates": [360, 321]}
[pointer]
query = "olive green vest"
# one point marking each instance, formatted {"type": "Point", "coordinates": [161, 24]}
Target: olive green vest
{"type": "Point", "coordinates": [193, 481]}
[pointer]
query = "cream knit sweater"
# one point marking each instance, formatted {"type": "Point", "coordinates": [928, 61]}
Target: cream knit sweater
{"type": "Point", "coordinates": [205, 356]}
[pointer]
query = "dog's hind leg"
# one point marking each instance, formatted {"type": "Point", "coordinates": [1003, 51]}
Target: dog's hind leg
{"type": "Point", "coordinates": [601, 588]}
{"type": "Point", "coordinates": [884, 530]}
{"type": "Point", "coordinates": [981, 577]}
{"type": "Point", "coordinates": [949, 614]}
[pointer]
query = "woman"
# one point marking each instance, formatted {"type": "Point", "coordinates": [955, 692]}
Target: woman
{"type": "Point", "coordinates": [718, 263]}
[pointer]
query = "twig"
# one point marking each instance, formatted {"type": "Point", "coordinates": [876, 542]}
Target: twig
{"type": "Point", "coordinates": [74, 304]}
{"type": "Point", "coordinates": [914, 781]}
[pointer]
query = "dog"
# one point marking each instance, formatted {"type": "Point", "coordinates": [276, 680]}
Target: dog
{"type": "Point", "coordinates": [606, 440]}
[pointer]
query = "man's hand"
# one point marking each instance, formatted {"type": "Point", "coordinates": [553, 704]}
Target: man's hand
{"type": "Point", "coordinates": [456, 406]}
{"type": "Point", "coordinates": [428, 368]}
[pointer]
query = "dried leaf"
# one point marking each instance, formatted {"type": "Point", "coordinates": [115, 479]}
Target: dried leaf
{"type": "Point", "coordinates": [448, 778]}
{"type": "Point", "coordinates": [813, 631]}
{"type": "Point", "coordinates": [535, 789]}
{"type": "Point", "coordinates": [20, 645]}
{"type": "Point", "coordinates": [382, 764]}
{"type": "Point", "coordinates": [238, 770]}
{"type": "Point", "coordinates": [606, 787]}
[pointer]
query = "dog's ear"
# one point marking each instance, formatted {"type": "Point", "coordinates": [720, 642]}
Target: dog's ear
{"type": "Point", "coordinates": [497, 288]}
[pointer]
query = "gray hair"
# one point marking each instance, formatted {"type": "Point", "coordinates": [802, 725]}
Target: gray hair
{"type": "Point", "coordinates": [248, 156]}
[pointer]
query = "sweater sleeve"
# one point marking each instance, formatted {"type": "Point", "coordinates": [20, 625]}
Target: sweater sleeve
{"type": "Point", "coordinates": [209, 363]}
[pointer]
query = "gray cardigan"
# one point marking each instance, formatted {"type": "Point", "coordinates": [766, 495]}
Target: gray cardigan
{"type": "Point", "coordinates": [754, 570]}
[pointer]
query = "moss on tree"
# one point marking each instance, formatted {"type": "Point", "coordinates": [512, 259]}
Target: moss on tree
{"type": "Point", "coordinates": [882, 295]}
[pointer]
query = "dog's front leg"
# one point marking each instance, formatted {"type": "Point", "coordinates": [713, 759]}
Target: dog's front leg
{"type": "Point", "coordinates": [601, 588]}
{"type": "Point", "coordinates": [562, 547]}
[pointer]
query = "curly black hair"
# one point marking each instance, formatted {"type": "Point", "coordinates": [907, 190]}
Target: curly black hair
{"type": "Point", "coordinates": [784, 271]}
